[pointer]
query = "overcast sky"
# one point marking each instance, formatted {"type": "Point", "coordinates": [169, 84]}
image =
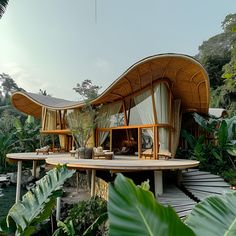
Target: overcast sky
{"type": "Point", "coordinates": [54, 44]}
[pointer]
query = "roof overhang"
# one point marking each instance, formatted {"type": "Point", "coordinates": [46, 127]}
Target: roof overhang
{"type": "Point", "coordinates": [188, 80]}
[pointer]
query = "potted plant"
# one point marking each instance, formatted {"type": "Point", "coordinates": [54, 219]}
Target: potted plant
{"type": "Point", "coordinates": [82, 124]}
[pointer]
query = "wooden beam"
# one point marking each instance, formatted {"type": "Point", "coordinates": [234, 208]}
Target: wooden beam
{"type": "Point", "coordinates": [60, 119]}
{"type": "Point", "coordinates": [110, 140]}
{"type": "Point", "coordinates": [136, 127]}
{"type": "Point", "coordinates": [139, 142]}
{"type": "Point", "coordinates": [44, 118]}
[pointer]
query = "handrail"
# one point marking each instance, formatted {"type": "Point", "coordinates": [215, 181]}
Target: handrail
{"type": "Point", "coordinates": [136, 127]}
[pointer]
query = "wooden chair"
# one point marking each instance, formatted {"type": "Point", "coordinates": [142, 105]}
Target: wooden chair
{"type": "Point", "coordinates": [44, 150]}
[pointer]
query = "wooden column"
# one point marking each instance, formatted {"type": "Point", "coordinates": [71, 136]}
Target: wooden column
{"type": "Point", "coordinates": [139, 142]}
{"type": "Point", "coordinates": [34, 168]}
{"type": "Point", "coordinates": [158, 183]}
{"type": "Point", "coordinates": [154, 143]}
{"type": "Point", "coordinates": [18, 183]}
{"type": "Point", "coordinates": [93, 178]}
{"type": "Point", "coordinates": [110, 139]}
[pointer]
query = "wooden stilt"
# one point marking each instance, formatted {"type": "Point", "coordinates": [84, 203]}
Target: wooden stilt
{"type": "Point", "coordinates": [18, 183]}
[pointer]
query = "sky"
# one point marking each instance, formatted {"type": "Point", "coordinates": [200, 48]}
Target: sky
{"type": "Point", "coordinates": [54, 44]}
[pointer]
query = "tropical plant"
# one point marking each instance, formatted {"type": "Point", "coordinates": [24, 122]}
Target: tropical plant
{"type": "Point", "coordinates": [5, 147]}
{"type": "Point", "coordinates": [215, 216]}
{"type": "Point", "coordinates": [135, 211]}
{"type": "Point", "coordinates": [27, 135]}
{"type": "Point", "coordinates": [216, 155]}
{"type": "Point", "coordinates": [37, 204]}
{"type": "Point", "coordinates": [87, 217]}
{"type": "Point", "coordinates": [66, 228]}
{"type": "Point", "coordinates": [224, 133]}
{"type": "Point", "coordinates": [3, 5]}
{"type": "Point", "coordinates": [81, 123]}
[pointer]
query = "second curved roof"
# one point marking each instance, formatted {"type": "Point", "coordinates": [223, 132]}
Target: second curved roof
{"type": "Point", "coordinates": [189, 82]}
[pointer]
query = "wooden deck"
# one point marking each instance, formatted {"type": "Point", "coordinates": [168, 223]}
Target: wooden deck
{"type": "Point", "coordinates": [195, 186]}
{"type": "Point", "coordinates": [201, 184]}
{"type": "Point", "coordinates": [176, 198]}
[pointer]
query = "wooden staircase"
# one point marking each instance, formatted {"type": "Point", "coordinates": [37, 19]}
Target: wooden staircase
{"type": "Point", "coordinates": [195, 186]}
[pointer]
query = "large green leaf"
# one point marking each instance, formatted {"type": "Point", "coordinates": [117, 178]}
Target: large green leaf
{"type": "Point", "coordinates": [3, 5]}
{"type": "Point", "coordinates": [223, 134]}
{"type": "Point", "coordinates": [208, 125]}
{"type": "Point", "coordinates": [37, 204]}
{"type": "Point", "coordinates": [215, 216]}
{"type": "Point", "coordinates": [133, 211]}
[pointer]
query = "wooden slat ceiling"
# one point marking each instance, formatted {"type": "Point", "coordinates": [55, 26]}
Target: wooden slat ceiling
{"type": "Point", "coordinates": [189, 82]}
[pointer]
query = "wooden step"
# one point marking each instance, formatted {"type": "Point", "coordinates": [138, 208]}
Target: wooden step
{"type": "Point", "coordinates": [174, 197]}
{"type": "Point", "coordinates": [201, 184]}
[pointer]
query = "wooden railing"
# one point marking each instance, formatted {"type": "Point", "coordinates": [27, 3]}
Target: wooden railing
{"type": "Point", "coordinates": [154, 127]}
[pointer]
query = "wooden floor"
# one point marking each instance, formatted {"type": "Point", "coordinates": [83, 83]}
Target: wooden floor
{"type": "Point", "coordinates": [201, 184]}
{"type": "Point", "coordinates": [195, 186]}
{"type": "Point", "coordinates": [173, 196]}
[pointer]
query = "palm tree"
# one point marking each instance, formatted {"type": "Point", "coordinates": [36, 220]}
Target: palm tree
{"type": "Point", "coordinates": [3, 5]}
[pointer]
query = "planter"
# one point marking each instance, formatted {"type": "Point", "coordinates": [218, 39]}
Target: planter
{"type": "Point", "coordinates": [85, 153]}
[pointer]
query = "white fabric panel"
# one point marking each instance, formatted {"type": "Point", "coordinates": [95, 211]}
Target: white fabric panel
{"type": "Point", "coordinates": [177, 115]}
{"type": "Point", "coordinates": [142, 113]}
{"type": "Point", "coordinates": [107, 115]}
{"type": "Point", "coordinates": [161, 96]}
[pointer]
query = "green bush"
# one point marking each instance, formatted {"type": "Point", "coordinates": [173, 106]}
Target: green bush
{"type": "Point", "coordinates": [84, 214]}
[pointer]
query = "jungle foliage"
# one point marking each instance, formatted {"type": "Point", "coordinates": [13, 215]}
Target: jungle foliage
{"type": "Point", "coordinates": [218, 56]}
{"type": "Point", "coordinates": [217, 152]}
{"type": "Point", "coordinates": [213, 216]}
{"type": "Point", "coordinates": [37, 204]}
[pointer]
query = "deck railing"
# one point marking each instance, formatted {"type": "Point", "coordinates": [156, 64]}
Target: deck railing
{"type": "Point", "coordinates": [154, 127]}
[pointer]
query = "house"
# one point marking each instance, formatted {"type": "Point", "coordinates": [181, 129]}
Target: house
{"type": "Point", "coordinates": [143, 107]}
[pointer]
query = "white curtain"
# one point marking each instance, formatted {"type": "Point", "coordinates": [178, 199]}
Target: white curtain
{"type": "Point", "coordinates": [142, 113]}
{"type": "Point", "coordinates": [50, 120]}
{"type": "Point", "coordinates": [161, 95]}
{"type": "Point", "coordinates": [107, 118]}
{"type": "Point", "coordinates": [177, 115]}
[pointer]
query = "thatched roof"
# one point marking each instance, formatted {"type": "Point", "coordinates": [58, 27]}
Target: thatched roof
{"type": "Point", "coordinates": [188, 79]}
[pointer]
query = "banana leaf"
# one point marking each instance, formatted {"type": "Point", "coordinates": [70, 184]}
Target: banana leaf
{"type": "Point", "coordinates": [215, 216]}
{"type": "Point", "coordinates": [133, 211]}
{"type": "Point", "coordinates": [223, 134]}
{"type": "Point", "coordinates": [37, 204]}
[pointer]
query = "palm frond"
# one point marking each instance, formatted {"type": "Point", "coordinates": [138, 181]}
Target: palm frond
{"type": "Point", "coordinates": [3, 5]}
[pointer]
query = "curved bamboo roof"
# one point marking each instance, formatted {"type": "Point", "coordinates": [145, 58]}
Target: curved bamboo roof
{"type": "Point", "coordinates": [188, 80]}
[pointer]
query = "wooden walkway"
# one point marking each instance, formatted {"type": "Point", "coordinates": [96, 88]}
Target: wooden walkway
{"type": "Point", "coordinates": [195, 186]}
{"type": "Point", "coordinates": [201, 184]}
{"type": "Point", "coordinates": [173, 196]}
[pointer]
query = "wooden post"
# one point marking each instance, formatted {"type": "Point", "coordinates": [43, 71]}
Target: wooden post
{"type": "Point", "coordinates": [34, 168]}
{"type": "Point", "coordinates": [110, 139]}
{"type": "Point", "coordinates": [179, 177]}
{"type": "Point", "coordinates": [93, 178]}
{"type": "Point", "coordinates": [18, 183]}
{"type": "Point", "coordinates": [154, 143]}
{"type": "Point", "coordinates": [139, 142]}
{"type": "Point", "coordinates": [158, 183]}
{"type": "Point", "coordinates": [77, 181]}
{"type": "Point", "coordinates": [58, 210]}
